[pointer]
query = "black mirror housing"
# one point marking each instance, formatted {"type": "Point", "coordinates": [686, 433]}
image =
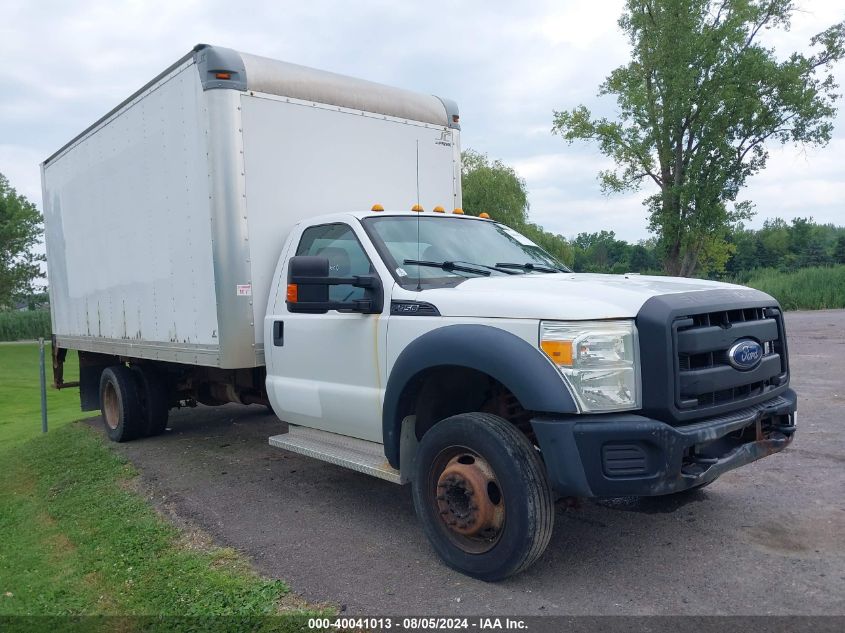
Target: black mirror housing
{"type": "Point", "coordinates": [313, 293]}
{"type": "Point", "coordinates": [308, 288]}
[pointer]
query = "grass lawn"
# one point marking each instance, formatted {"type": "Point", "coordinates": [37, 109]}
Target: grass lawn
{"type": "Point", "coordinates": [76, 540]}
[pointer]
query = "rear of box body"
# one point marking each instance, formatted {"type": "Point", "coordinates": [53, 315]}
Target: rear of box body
{"type": "Point", "coordinates": [165, 220]}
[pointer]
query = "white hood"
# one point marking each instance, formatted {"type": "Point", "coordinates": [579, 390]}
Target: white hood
{"type": "Point", "coordinates": [576, 296]}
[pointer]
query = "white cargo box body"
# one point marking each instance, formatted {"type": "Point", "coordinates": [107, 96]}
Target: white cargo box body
{"type": "Point", "coordinates": [165, 219]}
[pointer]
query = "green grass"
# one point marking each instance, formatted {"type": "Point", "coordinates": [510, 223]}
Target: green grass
{"type": "Point", "coordinates": [20, 404]}
{"type": "Point", "coordinates": [804, 289]}
{"type": "Point", "coordinates": [77, 540]}
{"type": "Point", "coordinates": [26, 325]}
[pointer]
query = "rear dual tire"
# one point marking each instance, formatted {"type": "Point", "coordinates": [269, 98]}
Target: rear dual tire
{"type": "Point", "coordinates": [119, 404]}
{"type": "Point", "coordinates": [481, 493]}
{"type": "Point", "coordinates": [154, 398]}
{"type": "Point", "coordinates": [134, 402]}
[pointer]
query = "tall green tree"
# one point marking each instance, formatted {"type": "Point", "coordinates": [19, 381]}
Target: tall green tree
{"type": "Point", "coordinates": [698, 102]}
{"type": "Point", "coordinates": [20, 230]}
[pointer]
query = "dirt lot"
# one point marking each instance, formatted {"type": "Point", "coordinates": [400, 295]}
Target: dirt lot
{"type": "Point", "coordinates": [766, 539]}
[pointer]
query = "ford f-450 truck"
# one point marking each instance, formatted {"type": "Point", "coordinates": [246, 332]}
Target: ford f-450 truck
{"type": "Point", "coordinates": [246, 230]}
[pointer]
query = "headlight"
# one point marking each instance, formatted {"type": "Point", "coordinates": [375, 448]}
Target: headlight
{"type": "Point", "coordinates": [600, 360]}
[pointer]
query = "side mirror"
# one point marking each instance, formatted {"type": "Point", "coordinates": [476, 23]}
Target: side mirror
{"type": "Point", "coordinates": [309, 282]}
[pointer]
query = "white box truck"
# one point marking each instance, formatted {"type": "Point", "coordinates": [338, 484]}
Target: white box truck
{"type": "Point", "coordinates": [247, 230]}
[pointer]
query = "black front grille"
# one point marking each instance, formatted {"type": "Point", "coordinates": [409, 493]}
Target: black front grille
{"type": "Point", "coordinates": [704, 377]}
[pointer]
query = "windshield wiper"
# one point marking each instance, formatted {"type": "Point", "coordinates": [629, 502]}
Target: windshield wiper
{"type": "Point", "coordinates": [449, 266]}
{"type": "Point", "coordinates": [529, 266]}
{"type": "Point", "coordinates": [501, 270]}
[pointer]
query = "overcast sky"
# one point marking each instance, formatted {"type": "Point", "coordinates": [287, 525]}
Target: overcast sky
{"type": "Point", "coordinates": [507, 64]}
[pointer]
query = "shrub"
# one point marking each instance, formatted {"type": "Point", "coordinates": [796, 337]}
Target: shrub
{"type": "Point", "coordinates": [24, 325]}
{"type": "Point", "coordinates": [816, 288]}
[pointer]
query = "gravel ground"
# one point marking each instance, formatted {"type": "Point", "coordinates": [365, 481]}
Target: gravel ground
{"type": "Point", "coordinates": [768, 538]}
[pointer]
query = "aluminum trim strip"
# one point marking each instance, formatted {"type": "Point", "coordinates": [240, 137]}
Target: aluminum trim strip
{"type": "Point", "coordinates": [190, 353]}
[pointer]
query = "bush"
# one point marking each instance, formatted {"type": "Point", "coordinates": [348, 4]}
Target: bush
{"type": "Point", "coordinates": [816, 288]}
{"type": "Point", "coordinates": [24, 325]}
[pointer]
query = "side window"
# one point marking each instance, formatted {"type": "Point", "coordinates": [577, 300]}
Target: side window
{"type": "Point", "coordinates": [346, 256]}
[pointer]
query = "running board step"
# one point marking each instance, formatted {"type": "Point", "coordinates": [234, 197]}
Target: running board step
{"type": "Point", "coordinates": [359, 455]}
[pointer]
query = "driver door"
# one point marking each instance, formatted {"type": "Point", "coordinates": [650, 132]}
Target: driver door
{"type": "Point", "coordinates": [323, 371]}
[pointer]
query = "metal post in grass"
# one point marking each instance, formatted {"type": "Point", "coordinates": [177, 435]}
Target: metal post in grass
{"type": "Point", "coordinates": [43, 385]}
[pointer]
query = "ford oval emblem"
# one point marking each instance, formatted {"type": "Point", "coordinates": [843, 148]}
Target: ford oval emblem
{"type": "Point", "coordinates": [745, 354]}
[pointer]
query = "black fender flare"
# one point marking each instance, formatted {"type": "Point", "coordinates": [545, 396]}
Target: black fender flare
{"type": "Point", "coordinates": [520, 366]}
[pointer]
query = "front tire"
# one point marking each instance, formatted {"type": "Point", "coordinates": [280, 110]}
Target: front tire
{"type": "Point", "coordinates": [119, 404]}
{"type": "Point", "coordinates": [481, 493]}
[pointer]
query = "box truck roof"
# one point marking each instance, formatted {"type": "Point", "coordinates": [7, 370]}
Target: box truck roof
{"type": "Point", "coordinates": [226, 68]}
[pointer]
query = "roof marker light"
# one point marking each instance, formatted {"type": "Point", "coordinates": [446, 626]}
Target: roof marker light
{"type": "Point", "coordinates": [417, 208]}
{"type": "Point", "coordinates": [484, 215]}
{"type": "Point", "coordinates": [377, 208]}
{"type": "Point", "coordinates": [223, 75]}
{"type": "Point", "coordinates": [439, 209]}
{"type": "Point", "coordinates": [458, 211]}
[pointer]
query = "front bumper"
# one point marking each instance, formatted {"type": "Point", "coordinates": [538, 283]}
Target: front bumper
{"type": "Point", "coordinates": [625, 454]}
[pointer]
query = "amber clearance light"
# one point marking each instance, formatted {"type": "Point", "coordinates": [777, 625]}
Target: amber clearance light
{"type": "Point", "coordinates": [559, 351]}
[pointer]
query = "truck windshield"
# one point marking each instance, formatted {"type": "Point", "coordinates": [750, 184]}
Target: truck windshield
{"type": "Point", "coordinates": [469, 248]}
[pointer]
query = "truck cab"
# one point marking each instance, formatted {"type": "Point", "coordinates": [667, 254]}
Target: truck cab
{"type": "Point", "coordinates": [452, 353]}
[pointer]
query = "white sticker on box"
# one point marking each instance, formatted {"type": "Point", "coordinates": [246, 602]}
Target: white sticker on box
{"type": "Point", "coordinates": [244, 290]}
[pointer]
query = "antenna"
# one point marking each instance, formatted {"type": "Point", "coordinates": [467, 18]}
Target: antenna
{"type": "Point", "coordinates": [419, 268]}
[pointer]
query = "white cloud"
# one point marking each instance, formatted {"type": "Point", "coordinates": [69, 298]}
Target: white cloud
{"type": "Point", "coordinates": [20, 166]}
{"type": "Point", "coordinates": [544, 168]}
{"type": "Point", "coordinates": [560, 213]}
{"type": "Point", "coordinates": [801, 183]}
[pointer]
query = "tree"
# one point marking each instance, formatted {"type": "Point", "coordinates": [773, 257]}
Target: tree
{"type": "Point", "coordinates": [839, 250]}
{"type": "Point", "coordinates": [773, 245]}
{"type": "Point", "coordinates": [698, 102]}
{"type": "Point", "coordinates": [20, 230]}
{"type": "Point", "coordinates": [494, 188]}
{"type": "Point", "coordinates": [815, 255]}
{"type": "Point", "coordinates": [601, 252]}
{"type": "Point", "coordinates": [744, 256]}
{"type": "Point", "coordinates": [639, 260]}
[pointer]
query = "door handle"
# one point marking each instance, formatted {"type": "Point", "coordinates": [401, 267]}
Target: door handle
{"type": "Point", "coordinates": [278, 333]}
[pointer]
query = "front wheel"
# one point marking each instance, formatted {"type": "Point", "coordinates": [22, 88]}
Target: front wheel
{"type": "Point", "coordinates": [481, 493]}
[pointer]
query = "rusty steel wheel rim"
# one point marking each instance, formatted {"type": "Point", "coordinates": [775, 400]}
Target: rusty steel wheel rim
{"type": "Point", "coordinates": [467, 499]}
{"type": "Point", "coordinates": [111, 405]}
